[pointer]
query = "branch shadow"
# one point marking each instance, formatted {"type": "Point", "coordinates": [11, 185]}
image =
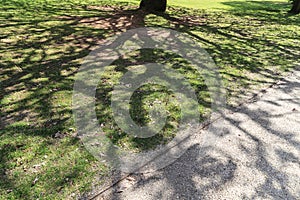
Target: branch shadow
{"type": "Point", "coordinates": [48, 49]}
{"type": "Point", "coordinates": [257, 141]}
{"type": "Point", "coordinates": [41, 53]}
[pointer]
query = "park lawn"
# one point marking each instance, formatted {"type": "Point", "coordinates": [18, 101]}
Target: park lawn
{"type": "Point", "coordinates": [219, 4]}
{"type": "Point", "coordinates": [210, 4]}
{"type": "Point", "coordinates": [42, 44]}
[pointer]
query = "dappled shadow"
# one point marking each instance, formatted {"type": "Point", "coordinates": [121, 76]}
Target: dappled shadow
{"type": "Point", "coordinates": [42, 47]}
{"type": "Point", "coordinates": [143, 94]}
{"type": "Point", "coordinates": [255, 41]}
{"type": "Point", "coordinates": [263, 9]}
{"type": "Point", "coordinates": [273, 128]}
{"type": "Point", "coordinates": [252, 151]}
{"type": "Point", "coordinates": [200, 173]}
{"type": "Point", "coordinates": [190, 177]}
{"type": "Point", "coordinates": [54, 55]}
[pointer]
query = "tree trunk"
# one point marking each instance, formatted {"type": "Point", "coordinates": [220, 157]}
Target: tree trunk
{"type": "Point", "coordinates": [154, 5]}
{"type": "Point", "coordinates": [296, 7]}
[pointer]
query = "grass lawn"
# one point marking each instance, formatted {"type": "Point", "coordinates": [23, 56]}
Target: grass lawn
{"type": "Point", "coordinates": [43, 42]}
{"type": "Point", "coordinates": [210, 5]}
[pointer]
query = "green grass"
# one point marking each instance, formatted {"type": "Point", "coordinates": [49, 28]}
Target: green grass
{"type": "Point", "coordinates": [210, 4]}
{"type": "Point", "coordinates": [217, 4]}
{"type": "Point", "coordinates": [147, 95]}
{"type": "Point", "coordinates": [43, 42]}
{"type": "Point", "coordinates": [203, 4]}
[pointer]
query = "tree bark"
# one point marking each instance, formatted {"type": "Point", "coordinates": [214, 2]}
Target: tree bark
{"type": "Point", "coordinates": [153, 5]}
{"type": "Point", "coordinates": [296, 7]}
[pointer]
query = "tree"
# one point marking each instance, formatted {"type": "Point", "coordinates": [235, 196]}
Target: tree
{"type": "Point", "coordinates": [296, 7]}
{"type": "Point", "coordinates": [153, 5]}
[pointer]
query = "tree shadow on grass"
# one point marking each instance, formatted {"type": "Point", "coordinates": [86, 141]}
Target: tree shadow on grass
{"type": "Point", "coordinates": [259, 57]}
{"type": "Point", "coordinates": [44, 58]}
{"type": "Point", "coordinates": [42, 50]}
{"type": "Point", "coordinates": [257, 43]}
{"type": "Point", "coordinates": [41, 53]}
{"type": "Point", "coordinates": [264, 9]}
{"type": "Point", "coordinates": [252, 142]}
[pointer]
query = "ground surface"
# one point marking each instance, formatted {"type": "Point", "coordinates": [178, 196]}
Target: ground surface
{"type": "Point", "coordinates": [43, 43]}
{"type": "Point", "coordinates": [251, 152]}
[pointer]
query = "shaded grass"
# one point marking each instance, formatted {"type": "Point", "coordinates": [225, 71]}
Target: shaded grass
{"type": "Point", "coordinates": [40, 52]}
{"type": "Point", "coordinates": [43, 44]}
{"type": "Point", "coordinates": [144, 98]}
